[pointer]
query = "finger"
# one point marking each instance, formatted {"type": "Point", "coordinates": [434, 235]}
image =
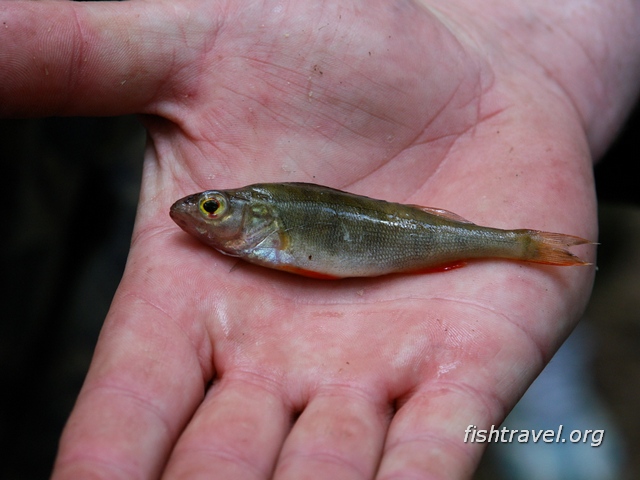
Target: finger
{"type": "Point", "coordinates": [426, 436]}
{"type": "Point", "coordinates": [93, 58]}
{"type": "Point", "coordinates": [136, 398]}
{"type": "Point", "coordinates": [236, 433]}
{"type": "Point", "coordinates": [338, 435]}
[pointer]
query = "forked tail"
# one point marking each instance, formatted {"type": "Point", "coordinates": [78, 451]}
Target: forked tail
{"type": "Point", "coordinates": [551, 248]}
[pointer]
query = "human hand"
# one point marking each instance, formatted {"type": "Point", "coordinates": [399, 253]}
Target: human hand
{"type": "Point", "coordinates": [207, 366]}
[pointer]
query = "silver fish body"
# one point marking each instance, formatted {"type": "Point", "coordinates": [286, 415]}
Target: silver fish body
{"type": "Point", "coordinates": [326, 233]}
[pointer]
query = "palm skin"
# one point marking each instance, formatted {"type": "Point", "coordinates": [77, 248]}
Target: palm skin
{"type": "Point", "coordinates": [208, 366]}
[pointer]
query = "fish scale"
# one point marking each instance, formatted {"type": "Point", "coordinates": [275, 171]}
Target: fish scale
{"type": "Point", "coordinates": [322, 232]}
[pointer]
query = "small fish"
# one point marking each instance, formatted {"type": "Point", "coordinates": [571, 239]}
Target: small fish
{"type": "Point", "coordinates": [321, 232]}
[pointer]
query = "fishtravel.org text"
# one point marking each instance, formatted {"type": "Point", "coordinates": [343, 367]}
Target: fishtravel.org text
{"type": "Point", "coordinates": [472, 434]}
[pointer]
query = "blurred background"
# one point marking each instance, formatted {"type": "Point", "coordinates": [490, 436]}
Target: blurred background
{"type": "Point", "coordinates": [70, 194]}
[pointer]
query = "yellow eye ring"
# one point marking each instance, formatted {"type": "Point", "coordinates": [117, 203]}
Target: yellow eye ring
{"type": "Point", "coordinates": [212, 206]}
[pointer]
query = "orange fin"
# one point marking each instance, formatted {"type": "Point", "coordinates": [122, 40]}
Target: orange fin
{"type": "Point", "coordinates": [440, 212]}
{"type": "Point", "coordinates": [442, 268]}
{"type": "Point", "coordinates": [550, 248]}
{"type": "Point", "coordinates": [308, 273]}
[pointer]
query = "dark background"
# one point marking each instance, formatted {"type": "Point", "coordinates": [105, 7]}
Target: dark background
{"type": "Point", "coordinates": [70, 193]}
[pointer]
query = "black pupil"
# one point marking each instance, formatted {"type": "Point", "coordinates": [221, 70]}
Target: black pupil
{"type": "Point", "coordinates": [211, 206]}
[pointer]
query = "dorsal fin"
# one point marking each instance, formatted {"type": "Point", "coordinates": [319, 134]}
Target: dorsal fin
{"type": "Point", "coordinates": [440, 212]}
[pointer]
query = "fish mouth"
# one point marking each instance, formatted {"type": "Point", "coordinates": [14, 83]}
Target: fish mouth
{"type": "Point", "coordinates": [181, 210]}
{"type": "Point", "coordinates": [178, 219]}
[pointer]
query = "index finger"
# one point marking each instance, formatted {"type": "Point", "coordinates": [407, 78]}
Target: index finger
{"type": "Point", "coordinates": [90, 58]}
{"type": "Point", "coordinates": [144, 383]}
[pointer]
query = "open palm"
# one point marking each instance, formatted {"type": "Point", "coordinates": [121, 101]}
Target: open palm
{"type": "Point", "coordinates": [208, 365]}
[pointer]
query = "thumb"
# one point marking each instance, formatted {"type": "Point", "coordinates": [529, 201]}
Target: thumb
{"type": "Point", "coordinates": [95, 58]}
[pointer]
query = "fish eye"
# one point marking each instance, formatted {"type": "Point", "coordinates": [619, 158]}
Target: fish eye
{"type": "Point", "coordinates": [212, 206]}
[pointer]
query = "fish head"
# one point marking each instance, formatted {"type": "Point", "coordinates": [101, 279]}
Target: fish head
{"type": "Point", "coordinates": [228, 220]}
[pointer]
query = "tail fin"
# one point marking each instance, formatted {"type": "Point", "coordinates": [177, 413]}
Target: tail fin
{"type": "Point", "coordinates": [549, 248]}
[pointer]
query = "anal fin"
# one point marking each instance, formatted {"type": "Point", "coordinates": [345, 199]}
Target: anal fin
{"type": "Point", "coordinates": [308, 273]}
{"type": "Point", "coordinates": [441, 268]}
